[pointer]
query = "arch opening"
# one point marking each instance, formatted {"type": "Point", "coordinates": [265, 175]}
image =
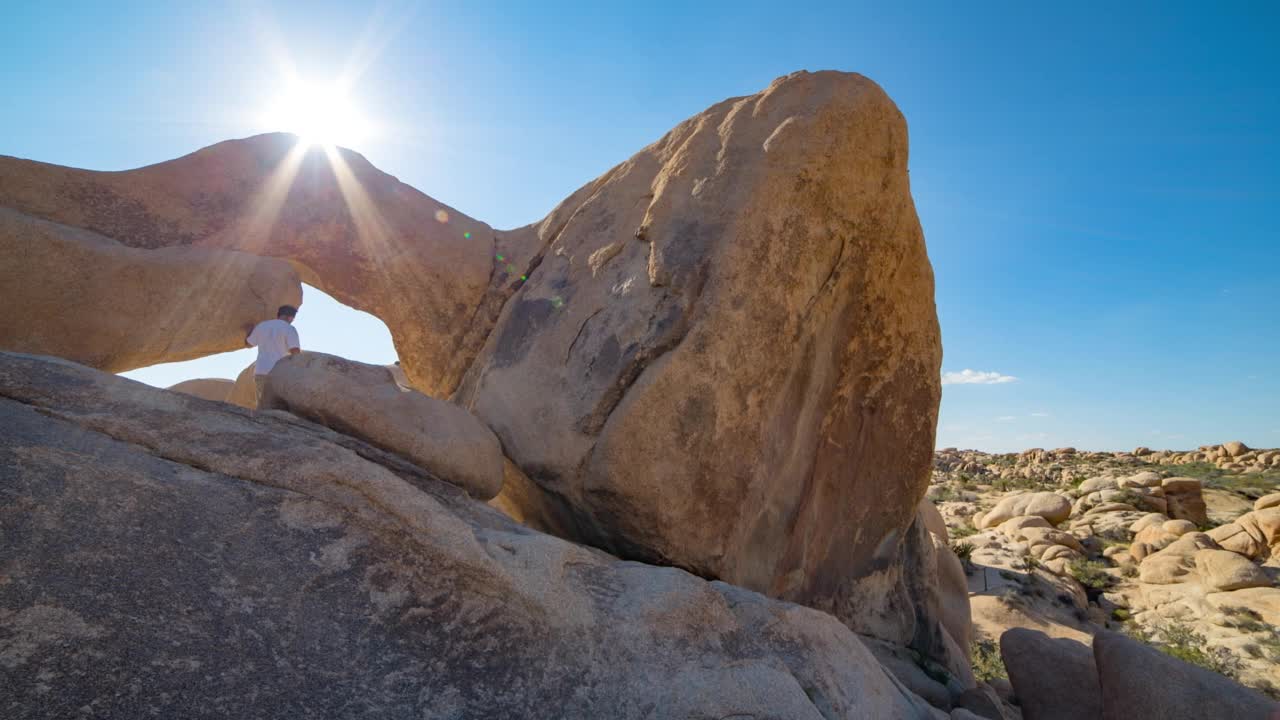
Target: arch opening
{"type": "Point", "coordinates": [324, 325]}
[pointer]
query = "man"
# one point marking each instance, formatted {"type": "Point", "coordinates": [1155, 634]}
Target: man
{"type": "Point", "coordinates": [274, 339]}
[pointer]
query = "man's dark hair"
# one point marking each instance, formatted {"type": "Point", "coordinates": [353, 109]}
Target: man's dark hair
{"type": "Point", "coordinates": [287, 311]}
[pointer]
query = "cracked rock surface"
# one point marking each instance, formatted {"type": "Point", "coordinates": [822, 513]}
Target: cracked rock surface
{"type": "Point", "coordinates": [176, 557]}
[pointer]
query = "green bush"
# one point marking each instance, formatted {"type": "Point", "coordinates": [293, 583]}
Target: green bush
{"type": "Point", "coordinates": [963, 550]}
{"type": "Point", "coordinates": [1090, 573]}
{"type": "Point", "coordinates": [1181, 641]}
{"type": "Point", "coordinates": [987, 663]}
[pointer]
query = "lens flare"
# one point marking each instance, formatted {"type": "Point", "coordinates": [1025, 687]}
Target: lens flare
{"type": "Point", "coordinates": [319, 114]}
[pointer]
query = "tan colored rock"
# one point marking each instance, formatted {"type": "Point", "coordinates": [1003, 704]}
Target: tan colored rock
{"type": "Point", "coordinates": [245, 391]}
{"type": "Point", "coordinates": [1097, 484]}
{"type": "Point", "coordinates": [1224, 506]}
{"type": "Point", "coordinates": [1179, 528]}
{"type": "Point", "coordinates": [208, 388]}
{"type": "Point", "coordinates": [1235, 448]}
{"type": "Point", "coordinates": [1263, 600]}
{"type": "Point", "coordinates": [1060, 552]}
{"type": "Point", "coordinates": [1226, 570]}
{"type": "Point", "coordinates": [1049, 536]}
{"type": "Point", "coordinates": [1175, 563]}
{"type": "Point", "coordinates": [88, 298]}
{"type": "Point", "coordinates": [1150, 539]}
{"type": "Point", "coordinates": [349, 229]}
{"type": "Point", "coordinates": [1013, 526]}
{"type": "Point", "coordinates": [1051, 506]}
{"type": "Point", "coordinates": [632, 384]}
{"type": "Point", "coordinates": [1185, 500]}
{"type": "Point", "coordinates": [640, 389]}
{"type": "Point", "coordinates": [1237, 539]}
{"type": "Point", "coordinates": [364, 401]}
{"type": "Point", "coordinates": [932, 519]}
{"type": "Point", "coordinates": [1146, 521]}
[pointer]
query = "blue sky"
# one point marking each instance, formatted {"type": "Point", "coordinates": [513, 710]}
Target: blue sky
{"type": "Point", "coordinates": [1098, 186]}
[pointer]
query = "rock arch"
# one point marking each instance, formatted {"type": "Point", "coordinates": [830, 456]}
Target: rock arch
{"type": "Point", "coordinates": [726, 356]}
{"type": "Point", "coordinates": [344, 226]}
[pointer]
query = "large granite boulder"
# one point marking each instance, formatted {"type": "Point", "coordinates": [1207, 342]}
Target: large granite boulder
{"type": "Point", "coordinates": [83, 296]}
{"type": "Point", "coordinates": [1053, 678]}
{"type": "Point", "coordinates": [1054, 508]}
{"type": "Point", "coordinates": [365, 401]}
{"type": "Point", "coordinates": [1141, 683]}
{"type": "Point", "coordinates": [723, 354]}
{"type": "Point", "coordinates": [169, 556]}
{"type": "Point", "coordinates": [728, 357]}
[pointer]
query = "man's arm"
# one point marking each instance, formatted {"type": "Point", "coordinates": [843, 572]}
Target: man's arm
{"type": "Point", "coordinates": [294, 343]}
{"type": "Point", "coordinates": [248, 334]}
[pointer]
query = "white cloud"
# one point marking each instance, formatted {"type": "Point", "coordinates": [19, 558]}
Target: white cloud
{"type": "Point", "coordinates": [975, 377]}
{"type": "Point", "coordinates": [1039, 414]}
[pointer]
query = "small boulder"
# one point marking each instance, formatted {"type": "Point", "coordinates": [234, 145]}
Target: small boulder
{"type": "Point", "coordinates": [364, 401]}
{"type": "Point", "coordinates": [1138, 682]}
{"type": "Point", "coordinates": [1146, 478]}
{"type": "Point", "coordinates": [1013, 526]}
{"type": "Point", "coordinates": [1225, 570]}
{"type": "Point", "coordinates": [1146, 520]}
{"type": "Point", "coordinates": [1235, 448]}
{"type": "Point", "coordinates": [1179, 528]}
{"type": "Point", "coordinates": [1097, 483]}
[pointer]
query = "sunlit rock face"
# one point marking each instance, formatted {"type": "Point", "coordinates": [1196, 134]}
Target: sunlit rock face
{"type": "Point", "coordinates": [362, 236]}
{"type": "Point", "coordinates": [725, 356]}
{"type": "Point", "coordinates": [728, 356]}
{"type": "Point", "coordinates": [81, 295]}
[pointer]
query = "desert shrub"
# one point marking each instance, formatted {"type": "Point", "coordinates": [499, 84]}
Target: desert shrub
{"type": "Point", "coordinates": [1242, 618]}
{"type": "Point", "coordinates": [987, 663]}
{"type": "Point", "coordinates": [963, 550]}
{"type": "Point", "coordinates": [945, 493]}
{"type": "Point", "coordinates": [1183, 642]}
{"type": "Point", "coordinates": [963, 531]}
{"type": "Point", "coordinates": [1028, 563]}
{"type": "Point", "coordinates": [1090, 573]}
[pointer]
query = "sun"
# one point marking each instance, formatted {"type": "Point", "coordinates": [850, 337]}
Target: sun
{"type": "Point", "coordinates": [319, 115]}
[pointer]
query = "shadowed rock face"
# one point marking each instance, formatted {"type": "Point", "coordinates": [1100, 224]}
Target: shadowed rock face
{"type": "Point", "coordinates": [725, 358]}
{"type": "Point", "coordinates": [171, 556]}
{"type": "Point", "coordinates": [728, 356]}
{"type": "Point", "coordinates": [83, 296]}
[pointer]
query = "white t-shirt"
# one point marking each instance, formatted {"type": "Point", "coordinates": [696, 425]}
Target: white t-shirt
{"type": "Point", "coordinates": [274, 339]}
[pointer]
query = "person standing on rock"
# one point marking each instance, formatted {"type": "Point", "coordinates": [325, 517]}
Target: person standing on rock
{"type": "Point", "coordinates": [275, 339]}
